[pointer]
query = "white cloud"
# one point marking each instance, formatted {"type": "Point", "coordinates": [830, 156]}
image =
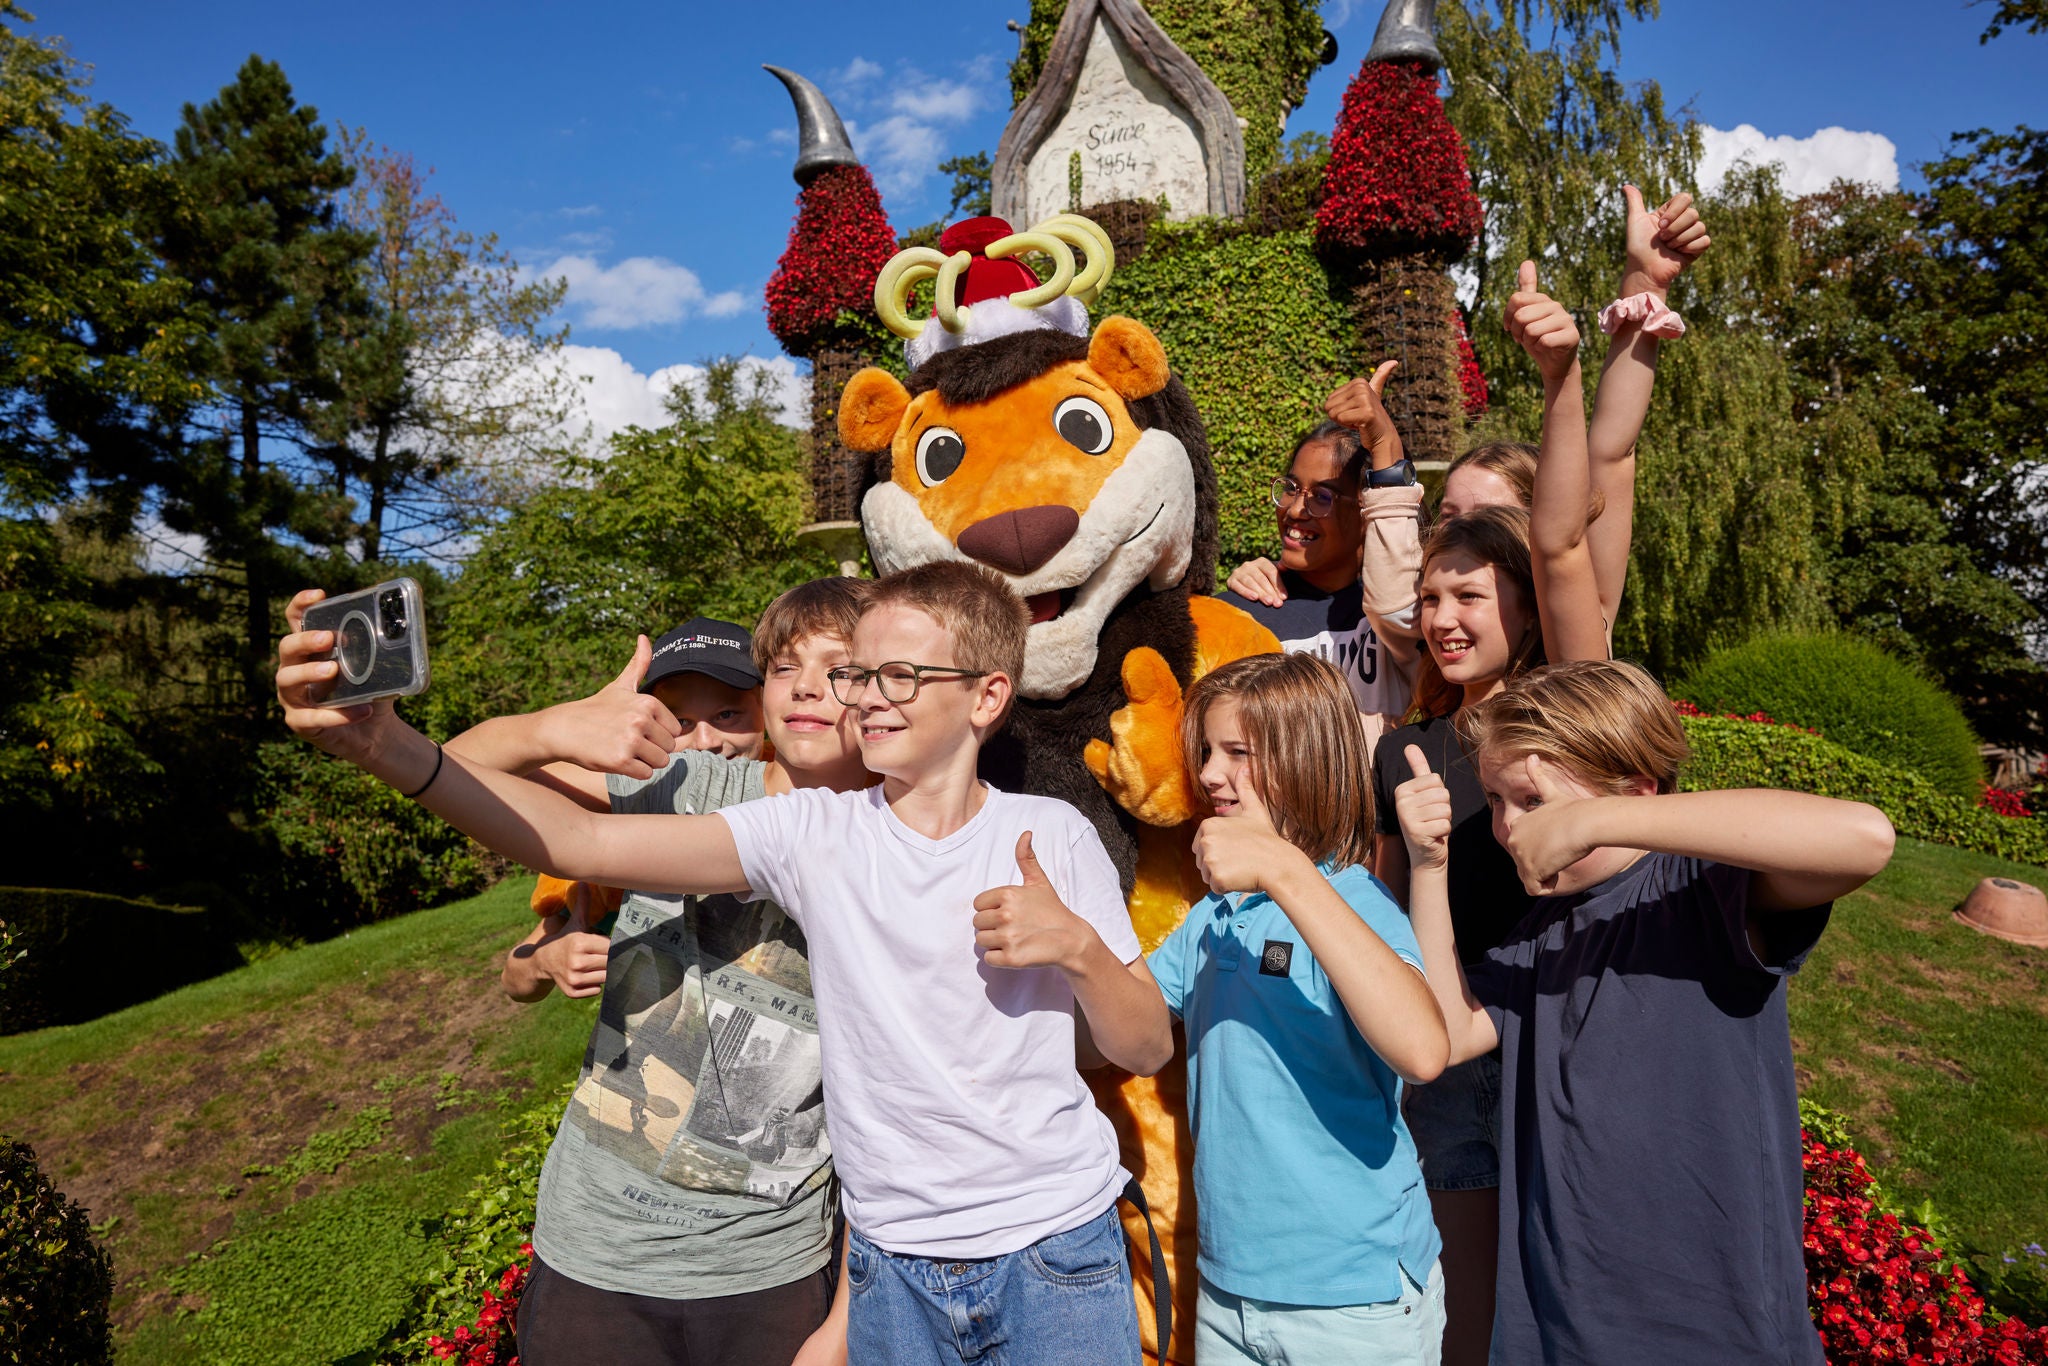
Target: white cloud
{"type": "Point", "coordinates": [1810, 163]}
{"type": "Point", "coordinates": [612, 395]}
{"type": "Point", "coordinates": [902, 126]}
{"type": "Point", "coordinates": [580, 211]}
{"type": "Point", "coordinates": [640, 291]}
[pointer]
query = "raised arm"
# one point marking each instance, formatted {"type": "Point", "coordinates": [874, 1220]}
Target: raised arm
{"type": "Point", "coordinates": [1391, 555]}
{"type": "Point", "coordinates": [1801, 850]}
{"type": "Point", "coordinates": [523, 821]}
{"type": "Point", "coordinates": [1567, 592]}
{"type": "Point", "coordinates": [1386, 998]}
{"type": "Point", "coordinates": [1424, 804]}
{"type": "Point", "coordinates": [571, 746]}
{"type": "Point", "coordinates": [1661, 243]}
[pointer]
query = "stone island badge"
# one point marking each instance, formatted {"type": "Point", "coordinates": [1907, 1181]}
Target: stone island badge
{"type": "Point", "coordinates": [1277, 958]}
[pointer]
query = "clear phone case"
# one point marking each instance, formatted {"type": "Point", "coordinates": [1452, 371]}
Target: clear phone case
{"type": "Point", "coordinates": [380, 641]}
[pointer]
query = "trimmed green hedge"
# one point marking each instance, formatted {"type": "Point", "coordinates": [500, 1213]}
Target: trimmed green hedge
{"type": "Point", "coordinates": [1850, 691]}
{"type": "Point", "coordinates": [1729, 753]}
{"type": "Point", "coordinates": [87, 954]}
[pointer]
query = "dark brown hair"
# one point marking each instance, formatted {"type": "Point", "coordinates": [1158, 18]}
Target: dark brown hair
{"type": "Point", "coordinates": [1496, 536]}
{"type": "Point", "coordinates": [1308, 755]}
{"type": "Point", "coordinates": [822, 607]}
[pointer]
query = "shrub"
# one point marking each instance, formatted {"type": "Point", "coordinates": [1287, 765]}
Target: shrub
{"type": "Point", "coordinates": [89, 954]}
{"type": "Point", "coordinates": [351, 850]}
{"type": "Point", "coordinates": [1739, 753]}
{"type": "Point", "coordinates": [55, 1281]}
{"type": "Point", "coordinates": [1853, 693]}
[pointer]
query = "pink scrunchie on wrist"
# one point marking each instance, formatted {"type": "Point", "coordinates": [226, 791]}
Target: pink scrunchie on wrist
{"type": "Point", "coordinates": [1646, 308]}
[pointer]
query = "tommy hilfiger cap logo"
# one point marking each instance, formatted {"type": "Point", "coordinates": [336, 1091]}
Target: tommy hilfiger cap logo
{"type": "Point", "coordinates": [700, 642]}
{"type": "Point", "coordinates": [1277, 958]}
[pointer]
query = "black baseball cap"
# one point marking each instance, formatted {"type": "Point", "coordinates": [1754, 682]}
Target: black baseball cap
{"type": "Point", "coordinates": [716, 649]}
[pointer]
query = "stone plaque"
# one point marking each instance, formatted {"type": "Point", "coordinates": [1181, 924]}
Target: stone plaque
{"type": "Point", "coordinates": [1136, 141]}
{"type": "Point", "coordinates": [1145, 120]}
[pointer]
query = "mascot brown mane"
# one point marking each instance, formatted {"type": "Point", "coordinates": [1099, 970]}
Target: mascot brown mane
{"type": "Point", "coordinates": [1075, 465]}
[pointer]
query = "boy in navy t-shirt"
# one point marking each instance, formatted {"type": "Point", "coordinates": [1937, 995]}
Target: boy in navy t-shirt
{"type": "Point", "coordinates": [1650, 1197]}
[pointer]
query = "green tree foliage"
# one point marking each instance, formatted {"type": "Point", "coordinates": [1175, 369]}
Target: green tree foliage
{"type": "Point", "coordinates": [2029, 15]}
{"type": "Point", "coordinates": [446, 404]}
{"type": "Point", "coordinates": [90, 335]}
{"type": "Point", "coordinates": [1879, 446]}
{"type": "Point", "coordinates": [699, 516]}
{"type": "Point", "coordinates": [1853, 693]}
{"type": "Point", "coordinates": [272, 271]}
{"type": "Point", "coordinates": [971, 184]}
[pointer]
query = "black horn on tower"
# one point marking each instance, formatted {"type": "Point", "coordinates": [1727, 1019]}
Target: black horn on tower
{"type": "Point", "coordinates": [1407, 33]}
{"type": "Point", "coordinates": [821, 137]}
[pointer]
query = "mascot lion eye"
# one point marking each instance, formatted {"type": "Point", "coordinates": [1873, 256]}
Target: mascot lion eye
{"type": "Point", "coordinates": [939, 452]}
{"type": "Point", "coordinates": [1084, 423]}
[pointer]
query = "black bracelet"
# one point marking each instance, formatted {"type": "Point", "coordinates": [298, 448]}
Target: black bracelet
{"type": "Point", "coordinates": [439, 755]}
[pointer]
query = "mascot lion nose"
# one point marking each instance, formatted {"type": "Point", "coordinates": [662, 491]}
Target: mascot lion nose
{"type": "Point", "coordinates": [1019, 542]}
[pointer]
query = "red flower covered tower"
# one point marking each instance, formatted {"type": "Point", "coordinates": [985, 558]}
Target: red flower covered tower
{"type": "Point", "coordinates": [822, 292]}
{"type": "Point", "coordinates": [1398, 210]}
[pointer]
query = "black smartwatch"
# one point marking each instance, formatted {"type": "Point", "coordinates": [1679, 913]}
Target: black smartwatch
{"type": "Point", "coordinates": [1400, 474]}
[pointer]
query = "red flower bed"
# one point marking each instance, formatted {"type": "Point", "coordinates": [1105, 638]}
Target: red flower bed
{"type": "Point", "coordinates": [2003, 801]}
{"type": "Point", "coordinates": [840, 242]}
{"type": "Point", "coordinates": [1397, 179]}
{"type": "Point", "coordinates": [1471, 379]}
{"type": "Point", "coordinates": [1881, 1291]}
{"type": "Point", "coordinates": [489, 1341]}
{"type": "Point", "coordinates": [1685, 708]}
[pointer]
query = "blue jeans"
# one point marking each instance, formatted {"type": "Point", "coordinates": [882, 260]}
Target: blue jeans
{"type": "Point", "coordinates": [1455, 1121]}
{"type": "Point", "coordinates": [1063, 1301]}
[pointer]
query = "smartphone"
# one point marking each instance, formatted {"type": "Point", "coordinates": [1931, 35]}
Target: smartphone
{"type": "Point", "coordinates": [380, 641]}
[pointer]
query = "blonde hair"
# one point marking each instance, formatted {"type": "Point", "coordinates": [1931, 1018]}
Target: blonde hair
{"type": "Point", "coordinates": [981, 614]}
{"type": "Point", "coordinates": [822, 607]}
{"type": "Point", "coordinates": [1308, 756]}
{"type": "Point", "coordinates": [1497, 536]}
{"type": "Point", "coordinates": [1604, 721]}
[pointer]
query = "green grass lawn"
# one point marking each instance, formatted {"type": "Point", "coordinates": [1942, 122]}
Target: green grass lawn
{"type": "Point", "coordinates": [1932, 1039]}
{"type": "Point", "coordinates": [260, 1148]}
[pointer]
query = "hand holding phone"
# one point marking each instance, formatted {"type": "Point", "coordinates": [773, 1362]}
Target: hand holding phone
{"type": "Point", "coordinates": [380, 642]}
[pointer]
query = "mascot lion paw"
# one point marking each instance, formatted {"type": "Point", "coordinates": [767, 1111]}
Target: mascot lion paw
{"type": "Point", "coordinates": [1141, 767]}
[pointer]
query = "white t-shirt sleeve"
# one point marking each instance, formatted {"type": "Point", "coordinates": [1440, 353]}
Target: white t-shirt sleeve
{"type": "Point", "coordinates": [1097, 895]}
{"type": "Point", "coordinates": [765, 833]}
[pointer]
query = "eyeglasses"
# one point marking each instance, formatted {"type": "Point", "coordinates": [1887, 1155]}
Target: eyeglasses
{"type": "Point", "coordinates": [898, 681]}
{"type": "Point", "coordinates": [1316, 502]}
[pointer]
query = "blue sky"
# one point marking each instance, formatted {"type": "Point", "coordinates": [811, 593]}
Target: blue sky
{"type": "Point", "coordinates": [639, 149]}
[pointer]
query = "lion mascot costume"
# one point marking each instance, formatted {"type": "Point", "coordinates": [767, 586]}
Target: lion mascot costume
{"type": "Point", "coordinates": [1074, 464]}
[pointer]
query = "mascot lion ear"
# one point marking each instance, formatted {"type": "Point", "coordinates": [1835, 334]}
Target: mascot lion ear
{"type": "Point", "coordinates": [870, 409]}
{"type": "Point", "coordinates": [1124, 352]}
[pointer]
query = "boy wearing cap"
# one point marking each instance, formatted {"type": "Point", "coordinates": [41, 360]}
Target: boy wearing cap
{"type": "Point", "coordinates": [687, 1207]}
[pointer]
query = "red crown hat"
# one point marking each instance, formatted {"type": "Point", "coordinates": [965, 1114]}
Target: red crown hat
{"type": "Point", "coordinates": [981, 291]}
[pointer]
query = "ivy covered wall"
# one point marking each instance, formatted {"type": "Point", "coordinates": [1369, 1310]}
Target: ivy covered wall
{"type": "Point", "coordinates": [1260, 53]}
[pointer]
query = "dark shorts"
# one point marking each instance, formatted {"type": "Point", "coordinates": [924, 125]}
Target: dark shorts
{"type": "Point", "coordinates": [1456, 1123]}
{"type": "Point", "coordinates": [563, 1322]}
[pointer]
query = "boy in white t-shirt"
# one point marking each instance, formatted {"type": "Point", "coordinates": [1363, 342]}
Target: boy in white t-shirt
{"type": "Point", "coordinates": [952, 927]}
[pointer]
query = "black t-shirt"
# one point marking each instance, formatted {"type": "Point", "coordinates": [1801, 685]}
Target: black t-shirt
{"type": "Point", "coordinates": [1651, 1191]}
{"type": "Point", "coordinates": [1333, 626]}
{"type": "Point", "coordinates": [1486, 893]}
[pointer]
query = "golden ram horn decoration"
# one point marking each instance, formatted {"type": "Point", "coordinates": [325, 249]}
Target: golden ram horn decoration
{"type": "Point", "coordinates": [906, 269]}
{"type": "Point", "coordinates": [1047, 244]}
{"type": "Point", "coordinates": [1093, 243]}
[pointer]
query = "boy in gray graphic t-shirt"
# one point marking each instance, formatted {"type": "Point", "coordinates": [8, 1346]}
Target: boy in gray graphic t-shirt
{"type": "Point", "coordinates": [687, 1206]}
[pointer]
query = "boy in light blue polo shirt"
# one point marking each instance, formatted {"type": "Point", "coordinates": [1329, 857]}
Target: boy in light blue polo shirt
{"type": "Point", "coordinates": [1300, 984]}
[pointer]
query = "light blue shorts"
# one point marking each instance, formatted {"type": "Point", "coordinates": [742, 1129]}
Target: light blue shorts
{"type": "Point", "coordinates": [1230, 1330]}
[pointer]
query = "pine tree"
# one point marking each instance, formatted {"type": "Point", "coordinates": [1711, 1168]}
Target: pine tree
{"type": "Point", "coordinates": [272, 272]}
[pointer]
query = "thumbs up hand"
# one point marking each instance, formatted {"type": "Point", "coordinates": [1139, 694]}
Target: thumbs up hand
{"type": "Point", "coordinates": [1242, 851]}
{"type": "Point", "coordinates": [618, 728]}
{"type": "Point", "coordinates": [1662, 241]}
{"type": "Point", "coordinates": [1543, 327]}
{"type": "Point", "coordinates": [1423, 805]}
{"type": "Point", "coordinates": [1026, 925]}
